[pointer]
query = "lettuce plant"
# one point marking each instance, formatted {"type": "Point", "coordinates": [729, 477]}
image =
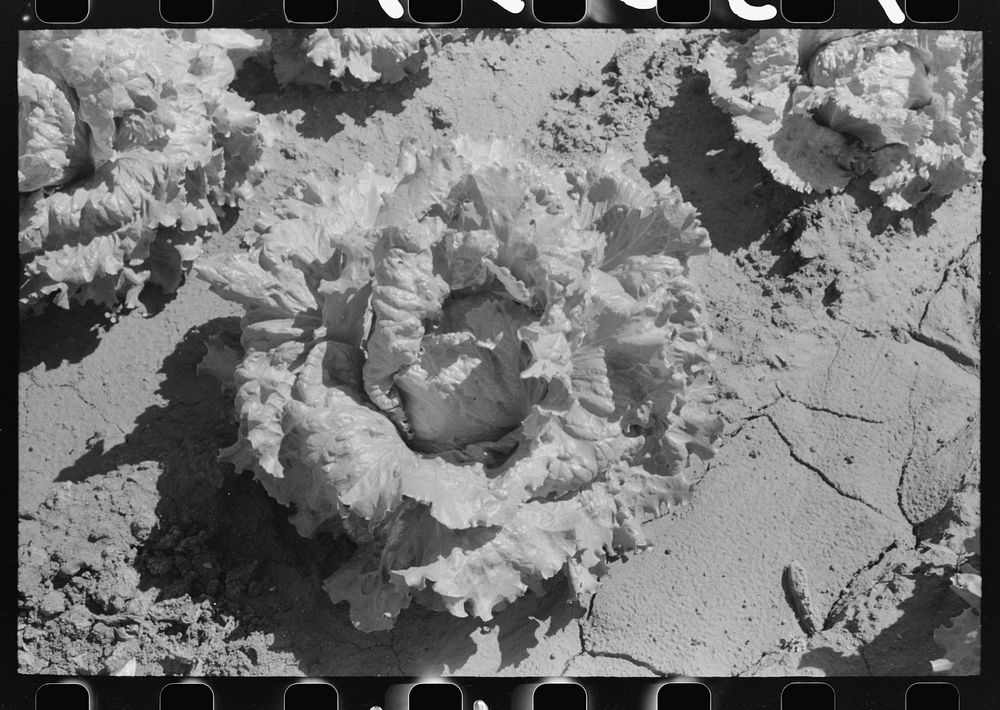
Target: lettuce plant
{"type": "Point", "coordinates": [351, 57]}
{"type": "Point", "coordinates": [903, 108]}
{"type": "Point", "coordinates": [129, 143]}
{"type": "Point", "coordinates": [486, 372]}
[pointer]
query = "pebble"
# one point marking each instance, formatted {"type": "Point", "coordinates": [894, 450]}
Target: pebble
{"type": "Point", "coordinates": [52, 603]}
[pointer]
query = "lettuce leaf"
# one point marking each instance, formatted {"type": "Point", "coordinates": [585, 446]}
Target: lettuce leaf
{"type": "Point", "coordinates": [50, 141]}
{"type": "Point", "coordinates": [486, 372]}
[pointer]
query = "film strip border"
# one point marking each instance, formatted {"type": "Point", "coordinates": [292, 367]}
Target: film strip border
{"type": "Point", "coordinates": [495, 694]}
{"type": "Point", "coordinates": [503, 13]}
{"type": "Point", "coordinates": [501, 694]}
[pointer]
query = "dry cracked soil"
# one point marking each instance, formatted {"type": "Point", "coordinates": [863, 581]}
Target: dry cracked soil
{"type": "Point", "coordinates": [848, 369]}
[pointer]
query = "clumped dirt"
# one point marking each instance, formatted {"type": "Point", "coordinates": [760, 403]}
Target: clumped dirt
{"type": "Point", "coordinates": [848, 362]}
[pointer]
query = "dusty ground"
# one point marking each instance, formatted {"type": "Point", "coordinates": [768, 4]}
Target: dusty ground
{"type": "Point", "coordinates": [848, 358]}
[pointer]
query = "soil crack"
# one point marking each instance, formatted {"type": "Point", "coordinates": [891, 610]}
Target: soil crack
{"type": "Point", "coordinates": [827, 410]}
{"type": "Point", "coordinates": [946, 273]}
{"type": "Point", "coordinates": [606, 654]}
{"type": "Point", "coordinates": [746, 669]}
{"type": "Point", "coordinates": [634, 661]}
{"type": "Point", "coordinates": [909, 453]}
{"type": "Point", "coordinates": [830, 621]}
{"type": "Point", "coordinates": [71, 386]}
{"type": "Point", "coordinates": [949, 351]}
{"type": "Point", "coordinates": [819, 472]}
{"type": "Point", "coordinates": [753, 416]}
{"type": "Point", "coordinates": [583, 641]}
{"type": "Point", "coordinates": [833, 361]}
{"type": "Point", "coordinates": [569, 662]}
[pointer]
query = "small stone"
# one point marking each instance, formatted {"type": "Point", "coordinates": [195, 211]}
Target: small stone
{"type": "Point", "coordinates": [53, 603]}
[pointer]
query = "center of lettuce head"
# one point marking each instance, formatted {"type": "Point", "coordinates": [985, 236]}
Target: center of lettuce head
{"type": "Point", "coordinates": [466, 386]}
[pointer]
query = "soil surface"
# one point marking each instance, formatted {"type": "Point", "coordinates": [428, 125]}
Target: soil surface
{"type": "Point", "coordinates": [847, 356]}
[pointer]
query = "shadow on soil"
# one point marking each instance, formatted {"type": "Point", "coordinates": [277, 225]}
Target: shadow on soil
{"type": "Point", "coordinates": [780, 243]}
{"type": "Point", "coordinates": [883, 219]}
{"type": "Point", "coordinates": [187, 429]}
{"type": "Point", "coordinates": [907, 646]}
{"type": "Point", "coordinates": [56, 336]}
{"type": "Point", "coordinates": [219, 538]}
{"type": "Point", "coordinates": [323, 108]}
{"type": "Point", "coordinates": [736, 196]}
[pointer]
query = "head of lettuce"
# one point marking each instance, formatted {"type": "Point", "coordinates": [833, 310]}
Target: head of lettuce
{"type": "Point", "coordinates": [485, 372]}
{"type": "Point", "coordinates": [900, 110]}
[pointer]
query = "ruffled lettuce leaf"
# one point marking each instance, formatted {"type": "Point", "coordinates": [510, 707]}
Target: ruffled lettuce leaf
{"type": "Point", "coordinates": [485, 372]}
{"type": "Point", "coordinates": [351, 57]}
{"type": "Point", "coordinates": [51, 143]}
